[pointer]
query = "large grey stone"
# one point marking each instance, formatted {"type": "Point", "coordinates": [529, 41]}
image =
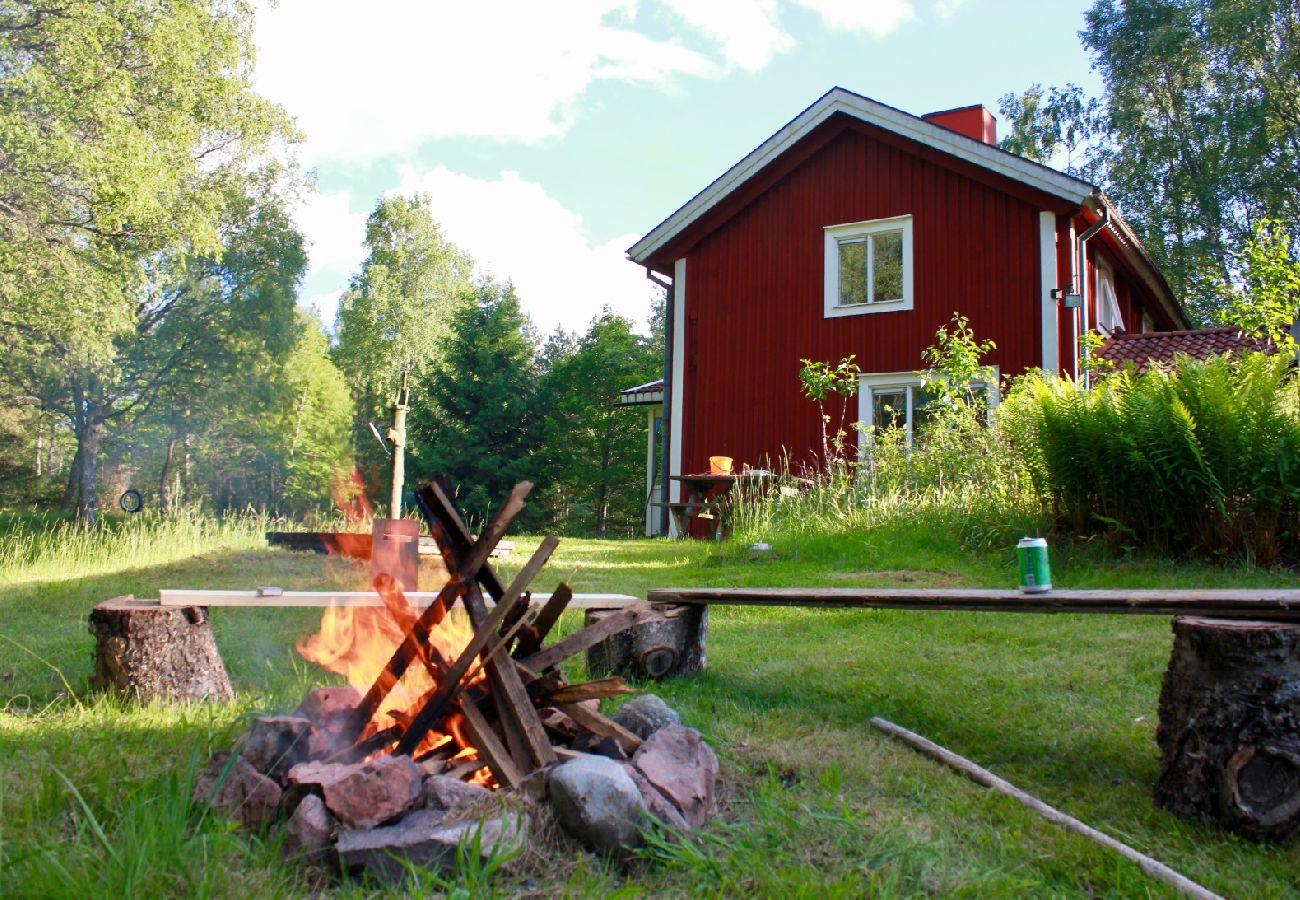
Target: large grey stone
{"type": "Point", "coordinates": [646, 714]}
{"type": "Point", "coordinates": [445, 793]}
{"type": "Point", "coordinates": [422, 839]}
{"type": "Point", "coordinates": [598, 803]}
{"type": "Point", "coordinates": [684, 769]}
{"type": "Point", "coordinates": [237, 790]}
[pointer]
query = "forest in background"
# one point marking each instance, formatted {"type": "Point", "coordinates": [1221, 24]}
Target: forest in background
{"type": "Point", "coordinates": [150, 333]}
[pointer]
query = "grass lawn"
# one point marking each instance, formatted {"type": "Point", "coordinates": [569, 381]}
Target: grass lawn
{"type": "Point", "coordinates": [815, 802]}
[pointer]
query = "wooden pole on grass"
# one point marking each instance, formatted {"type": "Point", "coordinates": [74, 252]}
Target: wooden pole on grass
{"type": "Point", "coordinates": [1153, 868]}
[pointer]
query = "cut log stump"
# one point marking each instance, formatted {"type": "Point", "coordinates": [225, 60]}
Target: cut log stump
{"type": "Point", "coordinates": [671, 642]}
{"type": "Point", "coordinates": [1229, 730]}
{"type": "Point", "coordinates": [146, 650]}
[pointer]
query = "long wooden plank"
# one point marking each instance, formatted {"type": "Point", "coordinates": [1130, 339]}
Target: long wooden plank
{"type": "Point", "coordinates": [322, 599]}
{"type": "Point", "coordinates": [433, 708]}
{"type": "Point", "coordinates": [601, 725]}
{"type": "Point", "coordinates": [489, 746]}
{"type": "Point", "coordinates": [588, 637]}
{"type": "Point", "coordinates": [519, 718]}
{"type": "Point", "coordinates": [508, 688]}
{"type": "Point", "coordinates": [1250, 603]}
{"type": "Point", "coordinates": [530, 639]}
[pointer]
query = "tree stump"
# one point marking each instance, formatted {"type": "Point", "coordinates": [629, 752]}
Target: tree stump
{"type": "Point", "coordinates": [670, 643]}
{"type": "Point", "coordinates": [1229, 732]}
{"type": "Point", "coordinates": [147, 651]}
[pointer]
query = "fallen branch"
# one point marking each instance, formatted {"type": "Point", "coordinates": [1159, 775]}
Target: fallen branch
{"type": "Point", "coordinates": [1154, 868]}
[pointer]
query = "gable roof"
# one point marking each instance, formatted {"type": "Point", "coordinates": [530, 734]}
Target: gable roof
{"type": "Point", "coordinates": [1160, 347]}
{"type": "Point", "coordinates": [840, 101]}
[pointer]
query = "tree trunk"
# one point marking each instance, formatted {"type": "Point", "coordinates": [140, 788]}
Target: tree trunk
{"type": "Point", "coordinates": [1229, 732]}
{"type": "Point", "coordinates": [671, 643]}
{"type": "Point", "coordinates": [89, 439]}
{"type": "Point", "coordinates": [149, 651]}
{"type": "Point", "coordinates": [165, 499]}
{"type": "Point", "coordinates": [70, 488]}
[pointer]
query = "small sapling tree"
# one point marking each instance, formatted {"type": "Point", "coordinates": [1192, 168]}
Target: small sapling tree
{"type": "Point", "coordinates": [819, 381]}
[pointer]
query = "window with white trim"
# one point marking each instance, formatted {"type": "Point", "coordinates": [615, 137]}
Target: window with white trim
{"type": "Point", "coordinates": [868, 267]}
{"type": "Point", "coordinates": [901, 400]}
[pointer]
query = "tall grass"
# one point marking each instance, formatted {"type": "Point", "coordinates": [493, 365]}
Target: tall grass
{"type": "Point", "coordinates": [48, 547]}
{"type": "Point", "coordinates": [1203, 458]}
{"type": "Point", "coordinates": [958, 483]}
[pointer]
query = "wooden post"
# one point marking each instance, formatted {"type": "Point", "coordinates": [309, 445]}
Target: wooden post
{"type": "Point", "coordinates": [397, 434]}
{"type": "Point", "coordinates": [1229, 730]}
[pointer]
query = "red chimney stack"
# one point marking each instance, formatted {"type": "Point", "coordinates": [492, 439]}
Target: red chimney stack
{"type": "Point", "coordinates": [973, 121]}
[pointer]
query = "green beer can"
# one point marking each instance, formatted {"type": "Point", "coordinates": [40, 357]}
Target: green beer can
{"type": "Point", "coordinates": [1035, 571]}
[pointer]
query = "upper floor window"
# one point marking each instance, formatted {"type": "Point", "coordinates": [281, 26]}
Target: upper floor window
{"type": "Point", "coordinates": [869, 267]}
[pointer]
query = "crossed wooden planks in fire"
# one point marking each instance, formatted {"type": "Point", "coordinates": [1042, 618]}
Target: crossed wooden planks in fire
{"type": "Point", "coordinates": [514, 687]}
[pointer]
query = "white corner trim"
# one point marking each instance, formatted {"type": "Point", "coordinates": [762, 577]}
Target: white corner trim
{"type": "Point", "coordinates": [831, 307]}
{"type": "Point", "coordinates": [678, 388]}
{"type": "Point", "coordinates": [838, 100]}
{"type": "Point", "coordinates": [1047, 265]}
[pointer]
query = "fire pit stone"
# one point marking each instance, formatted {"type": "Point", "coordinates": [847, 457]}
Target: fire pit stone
{"type": "Point", "coordinates": [445, 793]}
{"type": "Point", "coordinates": [275, 744]}
{"type": "Point", "coordinates": [374, 792]}
{"type": "Point", "coordinates": [597, 802]}
{"type": "Point", "coordinates": [646, 714]}
{"type": "Point", "coordinates": [422, 839]}
{"type": "Point", "coordinates": [329, 707]}
{"type": "Point", "coordinates": [684, 768]}
{"type": "Point", "coordinates": [237, 790]}
{"type": "Point", "coordinates": [309, 832]}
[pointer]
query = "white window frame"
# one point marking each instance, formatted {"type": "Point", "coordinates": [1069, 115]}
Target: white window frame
{"type": "Point", "coordinates": [834, 235]}
{"type": "Point", "coordinates": [869, 384]}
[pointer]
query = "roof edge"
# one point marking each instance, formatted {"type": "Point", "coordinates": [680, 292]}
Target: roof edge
{"type": "Point", "coordinates": [907, 125]}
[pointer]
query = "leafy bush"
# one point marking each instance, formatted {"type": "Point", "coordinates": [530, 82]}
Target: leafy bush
{"type": "Point", "coordinates": [1203, 458]}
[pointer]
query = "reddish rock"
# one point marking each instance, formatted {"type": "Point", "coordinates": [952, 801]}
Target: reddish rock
{"type": "Point", "coordinates": [685, 769]}
{"type": "Point", "coordinates": [316, 773]}
{"type": "Point", "coordinates": [658, 805]}
{"type": "Point", "coordinates": [329, 707]}
{"type": "Point", "coordinates": [237, 790]}
{"type": "Point", "coordinates": [370, 793]}
{"type": "Point", "coordinates": [275, 744]}
{"type": "Point", "coordinates": [309, 832]}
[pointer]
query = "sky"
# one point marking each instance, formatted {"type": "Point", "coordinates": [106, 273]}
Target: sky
{"type": "Point", "coordinates": [550, 136]}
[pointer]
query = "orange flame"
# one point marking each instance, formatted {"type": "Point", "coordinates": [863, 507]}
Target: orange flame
{"type": "Point", "coordinates": [357, 642]}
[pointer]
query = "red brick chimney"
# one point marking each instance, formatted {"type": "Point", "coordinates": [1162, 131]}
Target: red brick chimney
{"type": "Point", "coordinates": [973, 121]}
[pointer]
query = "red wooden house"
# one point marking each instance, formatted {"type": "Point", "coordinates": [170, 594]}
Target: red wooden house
{"type": "Point", "coordinates": [860, 229]}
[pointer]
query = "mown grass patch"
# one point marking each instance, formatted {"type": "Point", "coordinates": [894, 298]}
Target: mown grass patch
{"type": "Point", "coordinates": [816, 803]}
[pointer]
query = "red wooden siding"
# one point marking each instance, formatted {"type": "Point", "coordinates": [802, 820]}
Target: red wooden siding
{"type": "Point", "coordinates": [754, 290]}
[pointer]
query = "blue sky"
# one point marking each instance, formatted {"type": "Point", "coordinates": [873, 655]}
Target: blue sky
{"type": "Point", "coordinates": [550, 136]}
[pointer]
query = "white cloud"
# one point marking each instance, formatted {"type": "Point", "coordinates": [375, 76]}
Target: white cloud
{"type": "Point", "coordinates": [946, 9]}
{"type": "Point", "coordinates": [381, 78]}
{"type": "Point", "coordinates": [748, 31]}
{"type": "Point", "coordinates": [876, 17]}
{"type": "Point", "coordinates": [335, 245]}
{"type": "Point", "coordinates": [515, 230]}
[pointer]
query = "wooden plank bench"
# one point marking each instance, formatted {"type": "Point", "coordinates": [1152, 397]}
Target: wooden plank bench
{"type": "Point", "coordinates": [1271, 604]}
